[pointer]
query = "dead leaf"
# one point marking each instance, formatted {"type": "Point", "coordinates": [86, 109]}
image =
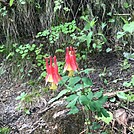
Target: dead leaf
{"type": "Point", "coordinates": [121, 117]}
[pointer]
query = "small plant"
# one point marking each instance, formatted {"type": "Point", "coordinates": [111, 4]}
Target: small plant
{"type": "Point", "coordinates": [26, 100]}
{"type": "Point", "coordinates": [125, 65]}
{"type": "Point", "coordinates": [23, 98]}
{"type": "Point", "coordinates": [129, 56]}
{"type": "Point", "coordinates": [2, 48]}
{"type": "Point", "coordinates": [4, 130]}
{"type": "Point", "coordinates": [54, 33]}
{"type": "Point", "coordinates": [78, 88]}
{"type": "Point", "coordinates": [94, 41]}
{"type": "Point", "coordinates": [128, 28]}
{"type": "Point", "coordinates": [3, 11]}
{"type": "Point", "coordinates": [103, 75]}
{"type": "Point", "coordinates": [129, 84]}
{"type": "Point", "coordinates": [58, 4]}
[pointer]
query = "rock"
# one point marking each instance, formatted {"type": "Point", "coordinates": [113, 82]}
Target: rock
{"type": "Point", "coordinates": [60, 122]}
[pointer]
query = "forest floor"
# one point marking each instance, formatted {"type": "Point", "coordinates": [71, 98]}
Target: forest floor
{"type": "Point", "coordinates": [110, 72]}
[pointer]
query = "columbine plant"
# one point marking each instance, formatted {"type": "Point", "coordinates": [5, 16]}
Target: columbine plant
{"type": "Point", "coordinates": [78, 88]}
{"type": "Point", "coordinates": [52, 73]}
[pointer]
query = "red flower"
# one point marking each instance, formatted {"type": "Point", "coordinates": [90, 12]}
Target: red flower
{"type": "Point", "coordinates": [71, 64]}
{"type": "Point", "coordinates": [52, 73]}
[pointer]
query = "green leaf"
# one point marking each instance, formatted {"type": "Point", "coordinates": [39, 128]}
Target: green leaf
{"type": "Point", "coordinates": [59, 95]}
{"type": "Point", "coordinates": [92, 23]}
{"type": "Point", "coordinates": [83, 100]}
{"type": "Point", "coordinates": [122, 95]}
{"type": "Point", "coordinates": [74, 110]}
{"type": "Point", "coordinates": [95, 126]}
{"type": "Point", "coordinates": [23, 55]}
{"type": "Point", "coordinates": [108, 50]}
{"type": "Point", "coordinates": [87, 81]}
{"type": "Point", "coordinates": [107, 120]}
{"type": "Point", "coordinates": [73, 102]}
{"type": "Point", "coordinates": [126, 5]}
{"type": "Point", "coordinates": [10, 55]}
{"type": "Point", "coordinates": [27, 111]}
{"type": "Point", "coordinates": [129, 55]}
{"type": "Point", "coordinates": [129, 27]}
{"type": "Point", "coordinates": [43, 74]}
{"type": "Point", "coordinates": [111, 20]}
{"type": "Point", "coordinates": [94, 45]}
{"type": "Point", "coordinates": [87, 27]}
{"type": "Point", "coordinates": [59, 50]}
{"type": "Point", "coordinates": [64, 80]}
{"type": "Point", "coordinates": [126, 84]}
{"type": "Point", "coordinates": [89, 39]}
{"type": "Point", "coordinates": [104, 112]}
{"type": "Point", "coordinates": [82, 38]}
{"type": "Point", "coordinates": [71, 97]}
{"type": "Point", "coordinates": [21, 70]}
{"type": "Point", "coordinates": [77, 87]}
{"type": "Point", "coordinates": [97, 105]}
{"type": "Point", "coordinates": [104, 38]}
{"type": "Point", "coordinates": [11, 2]}
{"type": "Point", "coordinates": [98, 94]}
{"type": "Point", "coordinates": [102, 100]}
{"type": "Point", "coordinates": [22, 96]}
{"type": "Point", "coordinates": [120, 34]}
{"type": "Point", "coordinates": [74, 80]}
{"type": "Point", "coordinates": [90, 95]}
{"type": "Point", "coordinates": [87, 71]}
{"type": "Point", "coordinates": [103, 25]}
{"type": "Point", "coordinates": [113, 99]}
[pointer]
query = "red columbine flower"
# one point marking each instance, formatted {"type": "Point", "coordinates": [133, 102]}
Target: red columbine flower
{"type": "Point", "coordinates": [71, 64]}
{"type": "Point", "coordinates": [52, 73]}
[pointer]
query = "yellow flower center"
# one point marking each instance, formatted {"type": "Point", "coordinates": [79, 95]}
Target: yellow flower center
{"type": "Point", "coordinates": [71, 73]}
{"type": "Point", "coordinates": [53, 86]}
{"type": "Point", "coordinates": [50, 79]}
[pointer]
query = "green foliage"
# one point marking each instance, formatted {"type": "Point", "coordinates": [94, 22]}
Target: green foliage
{"type": "Point", "coordinates": [24, 50]}
{"type": "Point", "coordinates": [93, 41]}
{"type": "Point", "coordinates": [22, 2]}
{"type": "Point", "coordinates": [3, 11]}
{"type": "Point", "coordinates": [4, 130]}
{"type": "Point", "coordinates": [27, 53]}
{"type": "Point", "coordinates": [58, 4]}
{"type": "Point", "coordinates": [128, 97]}
{"type": "Point", "coordinates": [129, 56]}
{"type": "Point", "coordinates": [122, 95]}
{"type": "Point", "coordinates": [87, 38]}
{"type": "Point", "coordinates": [22, 96]}
{"type": "Point", "coordinates": [129, 84]}
{"type": "Point", "coordinates": [26, 100]}
{"type": "Point", "coordinates": [11, 2]}
{"type": "Point", "coordinates": [54, 33]}
{"type": "Point", "coordinates": [80, 92]}
{"type": "Point", "coordinates": [107, 120]}
{"type": "Point", "coordinates": [125, 65]}
{"type": "Point", "coordinates": [2, 49]}
{"type": "Point", "coordinates": [128, 29]}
